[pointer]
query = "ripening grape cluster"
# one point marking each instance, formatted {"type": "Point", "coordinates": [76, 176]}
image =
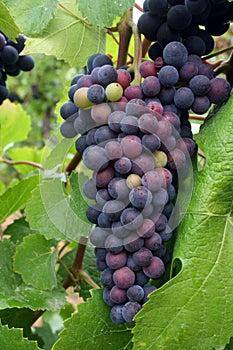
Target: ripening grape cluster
{"type": "Point", "coordinates": [137, 140]}
{"type": "Point", "coordinates": [11, 62]}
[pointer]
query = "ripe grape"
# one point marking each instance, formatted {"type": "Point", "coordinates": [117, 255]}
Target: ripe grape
{"type": "Point", "coordinates": [124, 277]}
{"type": "Point", "coordinates": [175, 54]}
{"type": "Point", "coordinates": [155, 269]}
{"type": "Point", "coordinates": [118, 295]}
{"type": "Point", "coordinates": [116, 314]}
{"type": "Point", "coordinates": [135, 293]}
{"type": "Point", "coordinates": [129, 310]}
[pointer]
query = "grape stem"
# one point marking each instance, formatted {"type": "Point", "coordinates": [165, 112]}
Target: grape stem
{"type": "Point", "coordinates": [125, 34]}
{"type": "Point", "coordinates": [138, 7]}
{"type": "Point", "coordinates": [214, 54]}
{"type": "Point", "coordinates": [25, 162]}
{"type": "Point", "coordinates": [73, 163]}
{"type": "Point", "coordinates": [76, 272]}
{"type": "Point", "coordinates": [137, 53]}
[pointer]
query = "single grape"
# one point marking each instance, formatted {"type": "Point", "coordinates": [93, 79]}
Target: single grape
{"type": "Point", "coordinates": [9, 55]}
{"type": "Point", "coordinates": [154, 242]}
{"type": "Point", "coordinates": [26, 63]}
{"type": "Point", "coordinates": [184, 98]}
{"type": "Point", "coordinates": [168, 76]}
{"type": "Point", "coordinates": [94, 157]}
{"type": "Point", "coordinates": [100, 113]}
{"type": "Point", "coordinates": [129, 310]}
{"type": "Point", "coordinates": [103, 177]}
{"type": "Point", "coordinates": [116, 314]}
{"type": "Point", "coordinates": [165, 34]}
{"type": "Point", "coordinates": [175, 54]}
{"type": "Point", "coordinates": [131, 146]}
{"type": "Point", "coordinates": [150, 86]}
{"type": "Point", "coordinates": [107, 74]}
{"type": "Point", "coordinates": [113, 244]}
{"type": "Point", "coordinates": [151, 142]}
{"type": "Point", "coordinates": [148, 123]}
{"type": "Point", "coordinates": [98, 236]}
{"type": "Point", "coordinates": [68, 109]}
{"type": "Point", "coordinates": [179, 17]}
{"type": "Point", "coordinates": [147, 69]}
{"type": "Point", "coordinates": [113, 149]}
{"type": "Point", "coordinates": [103, 134]}
{"type": "Point", "coordinates": [80, 98]}
{"type": "Point", "coordinates": [140, 197]}
{"type": "Point", "coordinates": [219, 90]}
{"type": "Point", "coordinates": [133, 92]}
{"type": "Point", "coordinates": [143, 163]}
{"type": "Point", "coordinates": [188, 71]}
{"type": "Point", "coordinates": [147, 228]}
{"type": "Point", "coordinates": [155, 269]}
{"type": "Point", "coordinates": [140, 278]}
{"type": "Point", "coordinates": [131, 264]}
{"type": "Point", "coordinates": [123, 165]}
{"type": "Point", "coordinates": [166, 95]}
{"type": "Point", "coordinates": [195, 45]}
{"type": "Point", "coordinates": [135, 293]}
{"type": "Point", "coordinates": [123, 78]}
{"type": "Point", "coordinates": [147, 290]}
{"type": "Point", "coordinates": [96, 93]}
{"type": "Point", "coordinates": [200, 105]}
{"type": "Point", "coordinates": [148, 25]}
{"type": "Point", "coordinates": [106, 297]}
{"type": "Point", "coordinates": [124, 277]}
{"type": "Point", "coordinates": [129, 125]}
{"type": "Point", "coordinates": [113, 209]}
{"type": "Point", "coordinates": [116, 261]}
{"type": "Point", "coordinates": [131, 218]}
{"type": "Point", "coordinates": [114, 92]}
{"type": "Point", "coordinates": [106, 278]}
{"type": "Point", "coordinates": [101, 60]}
{"type": "Point", "coordinates": [118, 189]}
{"type": "Point", "coordinates": [118, 295]}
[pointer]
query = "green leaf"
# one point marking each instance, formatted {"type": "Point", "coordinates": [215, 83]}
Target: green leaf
{"type": "Point", "coordinates": [7, 24]}
{"type": "Point", "coordinates": [18, 318]}
{"type": "Point", "coordinates": [91, 328]}
{"type": "Point", "coordinates": [16, 197]}
{"type": "Point", "coordinates": [68, 37]}
{"type": "Point", "coordinates": [25, 153]}
{"type": "Point", "coordinates": [35, 261]}
{"type": "Point", "coordinates": [109, 10]}
{"type": "Point", "coordinates": [194, 309]}
{"type": "Point", "coordinates": [55, 214]}
{"type": "Point", "coordinates": [32, 16]}
{"type": "Point", "coordinates": [46, 334]}
{"type": "Point", "coordinates": [18, 230]}
{"type": "Point", "coordinates": [15, 293]}
{"type": "Point", "coordinates": [14, 124]}
{"type": "Point", "coordinates": [12, 339]}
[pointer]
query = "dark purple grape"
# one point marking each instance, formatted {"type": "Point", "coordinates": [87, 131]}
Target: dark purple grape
{"type": "Point", "coordinates": [148, 25]}
{"type": "Point", "coordinates": [89, 189]}
{"type": "Point", "coordinates": [200, 105]}
{"type": "Point", "coordinates": [160, 198]}
{"type": "Point", "coordinates": [219, 90]}
{"type": "Point", "coordinates": [151, 142]}
{"type": "Point", "coordinates": [102, 196]}
{"type": "Point", "coordinates": [195, 45]}
{"type": "Point", "coordinates": [157, 7]}
{"type": "Point", "coordinates": [208, 40]}
{"type": "Point", "coordinates": [133, 92]}
{"type": "Point", "coordinates": [184, 98]}
{"type": "Point", "coordinates": [9, 55]}
{"type": "Point", "coordinates": [152, 180]}
{"type": "Point", "coordinates": [206, 69]}
{"type": "Point", "coordinates": [131, 146]}
{"type": "Point", "coordinates": [90, 137]}
{"type": "Point", "coordinates": [103, 221]}
{"type": "Point", "coordinates": [96, 93]}
{"type": "Point", "coordinates": [113, 209]}
{"type": "Point", "coordinates": [26, 63]}
{"type": "Point", "coordinates": [150, 86]}
{"type": "Point", "coordinates": [147, 68]}
{"type": "Point", "coordinates": [168, 76]}
{"type": "Point", "coordinates": [123, 78]}
{"type": "Point", "coordinates": [113, 149]}
{"type": "Point", "coordinates": [94, 157]}
{"type": "Point", "coordinates": [106, 297]}
{"type": "Point", "coordinates": [160, 223]}
{"type": "Point", "coordinates": [103, 177]}
{"type": "Point", "coordinates": [118, 295]}
{"type": "Point", "coordinates": [113, 244]}
{"type": "Point", "coordinates": [131, 264]}
{"type": "Point", "coordinates": [92, 213]}
{"type": "Point", "coordinates": [196, 7]}
{"type": "Point", "coordinates": [98, 236]}
{"type": "Point", "coordinates": [81, 144]}
{"type": "Point", "coordinates": [147, 228]}
{"type": "Point", "coordinates": [140, 197]}
{"type": "Point", "coordinates": [171, 192]}
{"type": "Point", "coordinates": [129, 311]}
{"type": "Point", "coordinates": [135, 293]}
{"type": "Point", "coordinates": [154, 242]}
{"type": "Point", "coordinates": [131, 218]}
{"type": "Point", "coordinates": [2, 41]}
{"type": "Point", "coordinates": [103, 133]}
{"type": "Point", "coordinates": [107, 75]}
{"type": "Point", "coordinates": [142, 257]}
{"type": "Point", "coordinates": [129, 125]}
{"type": "Point", "coordinates": [100, 265]}
{"type": "Point", "coordinates": [166, 234]}
{"type": "Point", "coordinates": [165, 34]}
{"type": "Point", "coordinates": [147, 290]}
{"type": "Point", "coordinates": [118, 189]}
{"type": "Point", "coordinates": [175, 54]}
{"type": "Point", "coordinates": [179, 17]}
{"type": "Point", "coordinates": [116, 261]}
{"type": "Point", "coordinates": [114, 120]}
{"type": "Point", "coordinates": [132, 243]}
{"type": "Point", "coordinates": [155, 269]}
{"type": "Point", "coordinates": [123, 165]}
{"type": "Point", "coordinates": [200, 85]}
{"type": "Point", "coordinates": [188, 71]}
{"type": "Point", "coordinates": [136, 107]}
{"type": "Point", "coordinates": [124, 277]}
{"type": "Point", "coordinates": [166, 95]}
{"type": "Point", "coordinates": [101, 60]}
{"type": "Point", "coordinates": [100, 253]}
{"type": "Point", "coordinates": [140, 278]}
{"type": "Point", "coordinates": [84, 81]}
{"type": "Point", "coordinates": [147, 123]}
{"type": "Point", "coordinates": [68, 109]}
{"type": "Point", "coordinates": [106, 278]}
{"type": "Point", "coordinates": [155, 51]}
{"type": "Point", "coordinates": [90, 61]}
{"type": "Point", "coordinates": [116, 314]}
{"type": "Point", "coordinates": [143, 163]}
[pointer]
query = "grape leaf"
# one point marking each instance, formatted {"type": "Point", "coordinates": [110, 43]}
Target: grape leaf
{"type": "Point", "coordinates": [91, 328]}
{"type": "Point", "coordinates": [15, 293]}
{"type": "Point", "coordinates": [194, 309]}
{"type": "Point", "coordinates": [54, 213]}
{"type": "Point", "coordinates": [18, 318]}
{"type": "Point", "coordinates": [109, 10]}
{"type": "Point", "coordinates": [15, 197]}
{"type": "Point", "coordinates": [27, 153]}
{"type": "Point", "coordinates": [7, 24]}
{"type": "Point", "coordinates": [18, 230]}
{"type": "Point", "coordinates": [39, 271]}
{"type": "Point", "coordinates": [32, 16]}
{"type": "Point", "coordinates": [14, 124]}
{"type": "Point", "coordinates": [12, 339]}
{"type": "Point", "coordinates": [68, 37]}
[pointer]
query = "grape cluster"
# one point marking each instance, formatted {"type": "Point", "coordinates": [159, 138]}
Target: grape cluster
{"type": "Point", "coordinates": [193, 22]}
{"type": "Point", "coordinates": [138, 147]}
{"type": "Point", "coordinates": [11, 62]}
